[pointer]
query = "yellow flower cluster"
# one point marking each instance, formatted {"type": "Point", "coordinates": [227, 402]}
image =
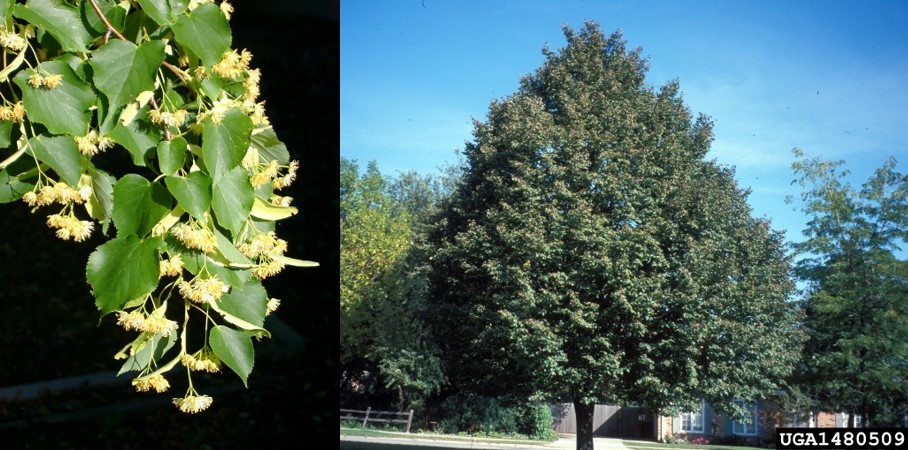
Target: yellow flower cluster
{"type": "Point", "coordinates": [232, 64]}
{"type": "Point", "coordinates": [262, 248]}
{"type": "Point", "coordinates": [194, 236]}
{"type": "Point", "coordinates": [203, 290]}
{"type": "Point", "coordinates": [156, 382]}
{"type": "Point", "coordinates": [60, 193]}
{"type": "Point", "coordinates": [69, 227]}
{"type": "Point", "coordinates": [92, 143]}
{"type": "Point", "coordinates": [206, 362]}
{"type": "Point", "coordinates": [273, 305]}
{"type": "Point", "coordinates": [171, 119]}
{"type": "Point", "coordinates": [12, 113]}
{"type": "Point", "coordinates": [139, 321]}
{"type": "Point", "coordinates": [270, 173]}
{"type": "Point", "coordinates": [12, 41]}
{"type": "Point", "coordinates": [264, 243]}
{"type": "Point", "coordinates": [287, 179]}
{"type": "Point", "coordinates": [172, 267]}
{"type": "Point", "coordinates": [193, 403]}
{"type": "Point", "coordinates": [51, 81]}
{"type": "Point", "coordinates": [280, 200]}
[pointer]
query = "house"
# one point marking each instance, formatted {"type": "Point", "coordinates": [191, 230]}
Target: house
{"type": "Point", "coordinates": [705, 423]}
{"type": "Point", "coordinates": [637, 423]}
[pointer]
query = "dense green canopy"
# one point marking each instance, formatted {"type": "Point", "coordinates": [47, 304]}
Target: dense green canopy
{"type": "Point", "coordinates": [591, 253]}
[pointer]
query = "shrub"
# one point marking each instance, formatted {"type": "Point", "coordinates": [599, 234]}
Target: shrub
{"type": "Point", "coordinates": [477, 414]}
{"type": "Point", "coordinates": [536, 422]}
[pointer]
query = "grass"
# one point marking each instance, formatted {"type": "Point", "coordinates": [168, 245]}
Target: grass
{"type": "Point", "coordinates": [367, 432]}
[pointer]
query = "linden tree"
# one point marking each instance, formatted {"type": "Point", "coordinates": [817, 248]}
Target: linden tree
{"type": "Point", "coordinates": [190, 225]}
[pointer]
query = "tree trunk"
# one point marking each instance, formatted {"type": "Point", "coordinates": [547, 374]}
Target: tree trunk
{"type": "Point", "coordinates": [584, 415]}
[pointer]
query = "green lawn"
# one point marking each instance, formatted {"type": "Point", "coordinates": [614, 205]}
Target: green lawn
{"type": "Point", "coordinates": [433, 436]}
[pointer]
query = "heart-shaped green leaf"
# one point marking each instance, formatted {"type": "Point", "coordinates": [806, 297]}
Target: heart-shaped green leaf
{"type": "Point", "coordinates": [205, 31]}
{"type": "Point", "coordinates": [234, 348]}
{"type": "Point", "coordinates": [193, 192]}
{"type": "Point", "coordinates": [123, 269]}
{"type": "Point", "coordinates": [138, 204]}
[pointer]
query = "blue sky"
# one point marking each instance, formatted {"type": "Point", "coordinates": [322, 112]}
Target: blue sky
{"type": "Point", "coordinates": [829, 77]}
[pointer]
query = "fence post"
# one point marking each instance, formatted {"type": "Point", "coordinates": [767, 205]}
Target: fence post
{"type": "Point", "coordinates": [366, 419]}
{"type": "Point", "coordinates": [409, 420]}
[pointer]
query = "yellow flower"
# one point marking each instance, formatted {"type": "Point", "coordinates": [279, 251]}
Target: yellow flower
{"type": "Point", "coordinates": [287, 179]}
{"type": "Point", "coordinates": [281, 200]}
{"type": "Point", "coordinates": [193, 403]}
{"type": "Point", "coordinates": [156, 382]}
{"type": "Point", "coordinates": [12, 113]}
{"type": "Point", "coordinates": [262, 244]}
{"type": "Point", "coordinates": [171, 119]}
{"type": "Point", "coordinates": [203, 290]}
{"type": "Point", "coordinates": [69, 227]}
{"type": "Point", "coordinates": [227, 9]}
{"type": "Point", "coordinates": [36, 80]}
{"type": "Point", "coordinates": [232, 64]}
{"type": "Point", "coordinates": [12, 41]}
{"type": "Point", "coordinates": [273, 305]}
{"type": "Point", "coordinates": [171, 267]}
{"type": "Point", "coordinates": [266, 268]}
{"type": "Point", "coordinates": [53, 80]}
{"type": "Point", "coordinates": [206, 362]}
{"type": "Point", "coordinates": [139, 321]}
{"type": "Point", "coordinates": [194, 236]}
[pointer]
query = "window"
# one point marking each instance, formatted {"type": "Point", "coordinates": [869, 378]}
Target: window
{"type": "Point", "coordinates": [858, 420]}
{"type": "Point", "coordinates": [749, 425]}
{"type": "Point", "coordinates": [692, 422]}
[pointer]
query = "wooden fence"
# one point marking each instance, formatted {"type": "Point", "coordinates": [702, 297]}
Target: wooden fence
{"type": "Point", "coordinates": [377, 416]}
{"type": "Point", "coordinates": [608, 421]}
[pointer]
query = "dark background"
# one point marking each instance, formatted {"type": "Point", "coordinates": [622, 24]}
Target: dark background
{"type": "Point", "coordinates": [49, 326]}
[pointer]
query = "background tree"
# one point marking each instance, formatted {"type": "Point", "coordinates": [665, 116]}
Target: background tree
{"type": "Point", "coordinates": [592, 254]}
{"type": "Point", "coordinates": [856, 359]}
{"type": "Point", "coordinates": [374, 236]}
{"type": "Point", "coordinates": [383, 281]}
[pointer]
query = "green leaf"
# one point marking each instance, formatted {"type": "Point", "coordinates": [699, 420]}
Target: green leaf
{"type": "Point", "coordinates": [193, 192]}
{"type": "Point", "coordinates": [11, 188]}
{"type": "Point", "coordinates": [123, 269]}
{"type": "Point", "coordinates": [224, 144]}
{"type": "Point", "coordinates": [114, 12]}
{"type": "Point", "coordinates": [163, 11]}
{"type": "Point", "coordinates": [171, 155]}
{"type": "Point", "coordinates": [100, 205]}
{"type": "Point", "coordinates": [138, 204]}
{"type": "Point", "coordinates": [234, 348]}
{"type": "Point", "coordinates": [232, 198]}
{"type": "Point", "coordinates": [140, 137]}
{"type": "Point", "coordinates": [6, 8]}
{"type": "Point", "coordinates": [62, 20]}
{"type": "Point", "coordinates": [122, 70]}
{"type": "Point", "coordinates": [205, 32]}
{"type": "Point", "coordinates": [63, 109]}
{"type": "Point", "coordinates": [6, 127]}
{"type": "Point", "coordinates": [61, 154]}
{"type": "Point", "coordinates": [227, 252]}
{"type": "Point", "coordinates": [248, 303]}
{"type": "Point", "coordinates": [147, 348]}
{"type": "Point", "coordinates": [266, 142]}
